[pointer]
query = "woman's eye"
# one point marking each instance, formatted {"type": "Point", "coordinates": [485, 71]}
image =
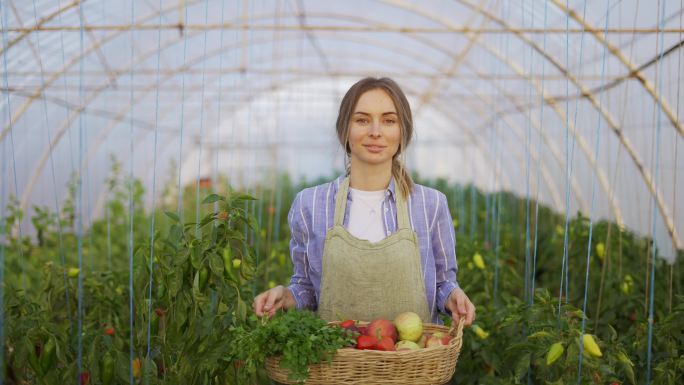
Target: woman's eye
{"type": "Point", "coordinates": [361, 121]}
{"type": "Point", "coordinates": [390, 121]}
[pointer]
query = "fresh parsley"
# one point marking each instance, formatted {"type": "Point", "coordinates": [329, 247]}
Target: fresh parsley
{"type": "Point", "coordinates": [299, 337]}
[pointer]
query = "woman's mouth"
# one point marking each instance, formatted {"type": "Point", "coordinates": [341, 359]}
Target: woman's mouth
{"type": "Point", "coordinates": [374, 148]}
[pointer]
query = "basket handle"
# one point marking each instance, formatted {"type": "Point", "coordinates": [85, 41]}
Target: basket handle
{"type": "Point", "coordinates": [458, 330]}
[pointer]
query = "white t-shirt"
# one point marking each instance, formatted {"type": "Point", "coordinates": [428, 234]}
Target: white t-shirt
{"type": "Point", "coordinates": [365, 216]}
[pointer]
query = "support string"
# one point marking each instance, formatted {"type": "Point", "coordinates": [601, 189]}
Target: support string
{"type": "Point", "coordinates": [593, 198]}
{"type": "Point", "coordinates": [79, 200]}
{"type": "Point", "coordinates": [60, 238]}
{"type": "Point", "coordinates": [3, 194]}
{"type": "Point", "coordinates": [539, 157]}
{"type": "Point", "coordinates": [201, 131]}
{"type": "Point", "coordinates": [179, 209]}
{"type": "Point", "coordinates": [130, 203]}
{"type": "Point", "coordinates": [654, 253]}
{"type": "Point", "coordinates": [569, 153]}
{"type": "Point", "coordinates": [154, 190]}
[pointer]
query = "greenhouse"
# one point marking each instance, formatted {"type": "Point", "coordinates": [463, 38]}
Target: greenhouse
{"type": "Point", "coordinates": [171, 174]}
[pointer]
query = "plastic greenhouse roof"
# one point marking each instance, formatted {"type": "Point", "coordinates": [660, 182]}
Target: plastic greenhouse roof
{"type": "Point", "coordinates": [502, 92]}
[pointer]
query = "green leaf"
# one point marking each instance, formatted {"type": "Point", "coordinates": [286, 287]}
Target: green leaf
{"type": "Point", "coordinates": [212, 198]}
{"type": "Point", "coordinates": [175, 281]}
{"type": "Point", "coordinates": [241, 310]}
{"type": "Point", "coordinates": [207, 219]}
{"type": "Point", "coordinates": [181, 257]}
{"type": "Point", "coordinates": [196, 256]}
{"type": "Point", "coordinates": [195, 285]}
{"type": "Point", "coordinates": [627, 366]}
{"type": "Point", "coordinates": [172, 215]}
{"type": "Point", "coordinates": [521, 367]}
{"type": "Point", "coordinates": [242, 197]}
{"type": "Point", "coordinates": [216, 264]}
{"type": "Point", "coordinates": [540, 334]}
{"type": "Point", "coordinates": [149, 371]}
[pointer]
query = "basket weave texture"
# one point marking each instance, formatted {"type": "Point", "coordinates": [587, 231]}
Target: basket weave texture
{"type": "Point", "coordinates": [430, 366]}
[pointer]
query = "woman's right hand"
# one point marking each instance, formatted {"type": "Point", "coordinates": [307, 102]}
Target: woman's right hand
{"type": "Point", "coordinates": [272, 300]}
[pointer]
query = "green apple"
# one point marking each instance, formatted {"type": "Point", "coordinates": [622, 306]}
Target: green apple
{"type": "Point", "coordinates": [406, 345]}
{"type": "Point", "coordinates": [409, 326]}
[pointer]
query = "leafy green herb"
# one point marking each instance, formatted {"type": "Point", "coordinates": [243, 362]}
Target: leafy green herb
{"type": "Point", "coordinates": [300, 337]}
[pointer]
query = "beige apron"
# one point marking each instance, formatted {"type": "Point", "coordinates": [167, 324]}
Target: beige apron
{"type": "Point", "coordinates": [365, 281]}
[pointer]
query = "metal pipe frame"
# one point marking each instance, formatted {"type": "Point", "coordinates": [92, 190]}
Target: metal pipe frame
{"type": "Point", "coordinates": [610, 120]}
{"type": "Point", "coordinates": [519, 33]}
{"type": "Point", "coordinates": [393, 49]}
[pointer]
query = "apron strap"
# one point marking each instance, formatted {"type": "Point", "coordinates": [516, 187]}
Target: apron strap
{"type": "Point", "coordinates": [402, 211]}
{"type": "Point", "coordinates": [341, 202]}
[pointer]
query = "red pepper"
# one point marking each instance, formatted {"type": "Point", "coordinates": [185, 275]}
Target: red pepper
{"type": "Point", "coordinates": [348, 323]}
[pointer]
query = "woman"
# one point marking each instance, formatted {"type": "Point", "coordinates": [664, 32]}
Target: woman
{"type": "Point", "coordinates": [372, 244]}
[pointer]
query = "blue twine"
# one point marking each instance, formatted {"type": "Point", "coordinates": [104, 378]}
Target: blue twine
{"type": "Point", "coordinates": [486, 223]}
{"type": "Point", "coordinates": [250, 234]}
{"type": "Point", "coordinates": [79, 204]}
{"type": "Point", "coordinates": [3, 197]}
{"type": "Point", "coordinates": [569, 154]}
{"type": "Point", "coordinates": [539, 156]}
{"type": "Point", "coordinates": [507, 39]}
{"type": "Point", "coordinates": [2, 261]}
{"type": "Point", "coordinates": [89, 211]}
{"type": "Point", "coordinates": [495, 217]}
{"type": "Point", "coordinates": [201, 132]}
{"type": "Point", "coordinates": [60, 238]}
{"type": "Point", "coordinates": [593, 198]}
{"type": "Point", "coordinates": [109, 237]}
{"type": "Point", "coordinates": [130, 205]}
{"type": "Point", "coordinates": [180, 210]}
{"type": "Point", "coordinates": [528, 150]}
{"type": "Point", "coordinates": [66, 110]}
{"type": "Point", "coordinates": [496, 249]}
{"type": "Point", "coordinates": [278, 202]}
{"type": "Point", "coordinates": [22, 260]}
{"type": "Point", "coordinates": [473, 208]}
{"type": "Point", "coordinates": [154, 190]}
{"type": "Point", "coordinates": [528, 145]}
{"type": "Point", "coordinates": [461, 209]}
{"type": "Point", "coordinates": [220, 95]}
{"type": "Point", "coordinates": [654, 205]}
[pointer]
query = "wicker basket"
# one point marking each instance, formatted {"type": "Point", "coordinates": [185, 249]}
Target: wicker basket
{"type": "Point", "coordinates": [434, 365]}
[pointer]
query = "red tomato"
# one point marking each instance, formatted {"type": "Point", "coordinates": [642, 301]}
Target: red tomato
{"type": "Point", "coordinates": [386, 344]}
{"type": "Point", "coordinates": [109, 332]}
{"type": "Point", "coordinates": [365, 342]}
{"type": "Point", "coordinates": [85, 378]}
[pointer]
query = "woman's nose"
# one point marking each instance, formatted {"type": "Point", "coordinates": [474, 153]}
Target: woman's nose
{"type": "Point", "coordinates": [374, 129]}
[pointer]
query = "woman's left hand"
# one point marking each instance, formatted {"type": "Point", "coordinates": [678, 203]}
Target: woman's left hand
{"type": "Point", "coordinates": [460, 306]}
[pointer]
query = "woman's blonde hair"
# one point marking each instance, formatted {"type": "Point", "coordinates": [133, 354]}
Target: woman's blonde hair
{"type": "Point", "coordinates": [401, 176]}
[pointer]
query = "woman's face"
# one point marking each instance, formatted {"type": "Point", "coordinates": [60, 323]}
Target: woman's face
{"type": "Point", "coordinates": [374, 135]}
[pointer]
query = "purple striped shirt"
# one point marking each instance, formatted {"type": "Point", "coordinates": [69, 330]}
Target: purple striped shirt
{"type": "Point", "coordinates": [312, 214]}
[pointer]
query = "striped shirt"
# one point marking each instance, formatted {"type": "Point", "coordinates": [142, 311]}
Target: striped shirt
{"type": "Point", "coordinates": [312, 214]}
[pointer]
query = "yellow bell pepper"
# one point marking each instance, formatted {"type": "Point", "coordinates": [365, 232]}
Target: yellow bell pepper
{"type": "Point", "coordinates": [479, 261]}
{"type": "Point", "coordinates": [555, 351]}
{"type": "Point", "coordinates": [590, 346]}
{"type": "Point", "coordinates": [480, 332]}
